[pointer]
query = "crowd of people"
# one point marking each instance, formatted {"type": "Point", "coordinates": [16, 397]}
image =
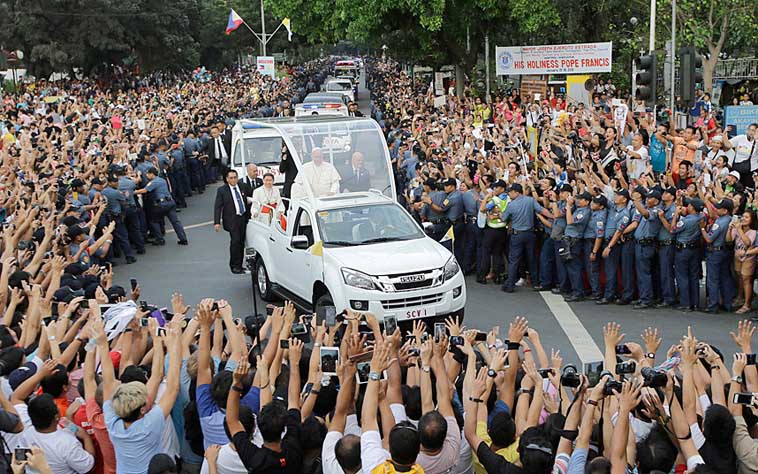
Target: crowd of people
{"type": "Point", "coordinates": [600, 201]}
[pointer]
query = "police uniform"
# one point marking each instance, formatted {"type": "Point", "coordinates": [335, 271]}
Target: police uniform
{"type": "Point", "coordinates": [472, 233]}
{"type": "Point", "coordinates": [666, 255]}
{"type": "Point", "coordinates": [133, 216]}
{"type": "Point", "coordinates": [520, 212]}
{"type": "Point", "coordinates": [115, 199]}
{"type": "Point", "coordinates": [644, 250]}
{"type": "Point", "coordinates": [452, 207]}
{"type": "Point", "coordinates": [177, 174]}
{"type": "Point", "coordinates": [494, 236]}
{"type": "Point", "coordinates": [595, 230]}
{"type": "Point", "coordinates": [687, 262]}
{"type": "Point", "coordinates": [439, 222]}
{"type": "Point", "coordinates": [558, 233]}
{"type": "Point", "coordinates": [164, 206]}
{"type": "Point", "coordinates": [194, 167]}
{"type": "Point", "coordinates": [718, 260]}
{"type": "Point", "coordinates": [618, 220]}
{"type": "Point", "coordinates": [573, 237]}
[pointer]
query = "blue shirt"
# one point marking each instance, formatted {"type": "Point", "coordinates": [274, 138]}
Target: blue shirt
{"type": "Point", "coordinates": [212, 417]}
{"type": "Point", "coordinates": [437, 197]}
{"type": "Point", "coordinates": [687, 228]}
{"type": "Point", "coordinates": [190, 146]}
{"type": "Point", "coordinates": [137, 444]}
{"type": "Point", "coordinates": [596, 225]}
{"type": "Point", "coordinates": [178, 156]}
{"type": "Point", "coordinates": [618, 220]}
{"type": "Point", "coordinates": [668, 214]}
{"type": "Point", "coordinates": [471, 203]}
{"type": "Point", "coordinates": [521, 213]}
{"type": "Point", "coordinates": [114, 198]}
{"type": "Point", "coordinates": [657, 155]}
{"type": "Point", "coordinates": [158, 188]}
{"type": "Point", "coordinates": [452, 205]}
{"type": "Point", "coordinates": [581, 217]}
{"type": "Point", "coordinates": [647, 227]}
{"type": "Point", "coordinates": [127, 188]}
{"type": "Point", "coordinates": [717, 232]}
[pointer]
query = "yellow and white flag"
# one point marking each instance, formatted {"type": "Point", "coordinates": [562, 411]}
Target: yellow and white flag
{"type": "Point", "coordinates": [317, 249]}
{"type": "Point", "coordinates": [286, 23]}
{"type": "Point", "coordinates": [449, 235]}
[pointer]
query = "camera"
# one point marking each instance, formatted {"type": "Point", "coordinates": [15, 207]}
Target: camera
{"type": "Point", "coordinates": [612, 385]}
{"type": "Point", "coordinates": [628, 367]}
{"type": "Point", "coordinates": [653, 378]}
{"type": "Point", "coordinates": [570, 377]}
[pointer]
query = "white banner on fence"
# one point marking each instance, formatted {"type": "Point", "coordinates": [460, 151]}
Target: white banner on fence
{"type": "Point", "coordinates": [583, 58]}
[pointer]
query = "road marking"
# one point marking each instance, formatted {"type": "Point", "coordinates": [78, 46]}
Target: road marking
{"type": "Point", "coordinates": [193, 226]}
{"type": "Point", "coordinates": [583, 343]}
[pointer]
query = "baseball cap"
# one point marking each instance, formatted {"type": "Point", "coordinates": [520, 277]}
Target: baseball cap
{"type": "Point", "coordinates": [735, 173]}
{"type": "Point", "coordinates": [725, 203]}
{"type": "Point", "coordinates": [641, 190]}
{"type": "Point", "coordinates": [97, 181]}
{"type": "Point", "coordinates": [18, 376]}
{"type": "Point", "coordinates": [76, 183]}
{"type": "Point", "coordinates": [717, 138]}
{"type": "Point", "coordinates": [112, 178]}
{"type": "Point", "coordinates": [516, 187]}
{"type": "Point", "coordinates": [75, 231]}
{"type": "Point", "coordinates": [622, 192]}
{"type": "Point", "coordinates": [654, 193]}
{"type": "Point", "coordinates": [696, 203]}
{"type": "Point", "coordinates": [585, 195]}
{"type": "Point", "coordinates": [670, 190]}
{"type": "Point", "coordinates": [450, 182]}
{"type": "Point", "coordinates": [152, 170]}
{"type": "Point", "coordinates": [565, 188]}
{"type": "Point", "coordinates": [600, 199]}
{"type": "Point", "coordinates": [498, 183]}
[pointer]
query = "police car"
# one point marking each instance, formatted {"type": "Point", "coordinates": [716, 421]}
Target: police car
{"type": "Point", "coordinates": [321, 108]}
{"type": "Point", "coordinates": [343, 86]}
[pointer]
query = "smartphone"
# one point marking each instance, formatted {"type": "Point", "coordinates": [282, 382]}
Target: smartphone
{"type": "Point", "coordinates": [105, 307]}
{"type": "Point", "coordinates": [481, 336]}
{"type": "Point", "coordinates": [298, 329]}
{"type": "Point", "coordinates": [133, 283]}
{"type": "Point", "coordinates": [22, 452]}
{"type": "Point", "coordinates": [456, 340]}
{"type": "Point", "coordinates": [330, 316]}
{"type": "Point", "coordinates": [545, 373]}
{"type": "Point", "coordinates": [390, 325]}
{"type": "Point", "coordinates": [439, 331]}
{"type": "Point", "coordinates": [622, 349]}
{"type": "Point", "coordinates": [284, 344]}
{"type": "Point", "coordinates": [363, 369]}
{"type": "Point", "coordinates": [744, 398]}
{"type": "Point", "coordinates": [593, 370]}
{"type": "Point", "coordinates": [215, 306]}
{"type": "Point", "coordinates": [329, 358]}
{"type": "Point", "coordinates": [411, 338]}
{"type": "Point", "coordinates": [751, 359]}
{"type": "Point", "coordinates": [84, 304]}
{"type": "Point", "coordinates": [160, 332]}
{"type": "Point", "coordinates": [143, 322]}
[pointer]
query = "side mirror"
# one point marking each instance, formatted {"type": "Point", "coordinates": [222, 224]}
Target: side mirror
{"type": "Point", "coordinates": [299, 242]}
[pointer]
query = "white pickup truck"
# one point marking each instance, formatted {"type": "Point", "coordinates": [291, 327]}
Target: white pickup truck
{"type": "Point", "coordinates": [359, 251]}
{"type": "Point", "coordinates": [350, 245]}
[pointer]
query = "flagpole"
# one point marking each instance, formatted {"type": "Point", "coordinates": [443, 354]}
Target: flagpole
{"type": "Point", "coordinates": [272, 34]}
{"type": "Point", "coordinates": [263, 29]}
{"type": "Point", "coordinates": [251, 30]}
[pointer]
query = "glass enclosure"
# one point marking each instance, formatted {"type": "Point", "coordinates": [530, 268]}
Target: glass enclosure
{"type": "Point", "coordinates": [361, 225]}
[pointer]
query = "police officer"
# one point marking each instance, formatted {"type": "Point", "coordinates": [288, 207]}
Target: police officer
{"type": "Point", "coordinates": [132, 213]}
{"type": "Point", "coordinates": [520, 212]}
{"type": "Point", "coordinates": [433, 211]}
{"type": "Point", "coordinates": [194, 167]}
{"type": "Point", "coordinates": [557, 233]}
{"type": "Point", "coordinates": [648, 225]}
{"type": "Point", "coordinates": [666, 248]}
{"type": "Point", "coordinates": [718, 276]}
{"type": "Point", "coordinates": [576, 224]}
{"type": "Point", "coordinates": [113, 211]}
{"type": "Point", "coordinates": [547, 249]}
{"type": "Point", "coordinates": [593, 243]}
{"type": "Point", "coordinates": [494, 234]}
{"type": "Point", "coordinates": [178, 175]}
{"type": "Point", "coordinates": [615, 246]}
{"type": "Point", "coordinates": [471, 234]}
{"type": "Point", "coordinates": [163, 206]}
{"type": "Point", "coordinates": [687, 262]}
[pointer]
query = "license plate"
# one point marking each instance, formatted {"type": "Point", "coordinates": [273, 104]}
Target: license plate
{"type": "Point", "coordinates": [418, 313]}
{"type": "Point", "coordinates": [411, 278]}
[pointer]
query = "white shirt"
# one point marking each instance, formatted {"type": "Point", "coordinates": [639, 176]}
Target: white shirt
{"type": "Point", "coordinates": [228, 462]}
{"type": "Point", "coordinates": [329, 464]}
{"type": "Point", "coordinates": [742, 148]}
{"type": "Point", "coordinates": [220, 149]}
{"type": "Point", "coordinates": [240, 202]}
{"type": "Point", "coordinates": [323, 179]}
{"type": "Point", "coordinates": [636, 166]}
{"type": "Point", "coordinates": [373, 453]}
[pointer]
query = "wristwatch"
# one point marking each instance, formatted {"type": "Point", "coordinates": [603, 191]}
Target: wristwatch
{"type": "Point", "coordinates": [491, 373]}
{"type": "Point", "coordinates": [426, 368]}
{"type": "Point", "coordinates": [237, 388]}
{"type": "Point", "coordinates": [650, 355]}
{"type": "Point", "coordinates": [375, 376]}
{"type": "Point", "coordinates": [737, 378]}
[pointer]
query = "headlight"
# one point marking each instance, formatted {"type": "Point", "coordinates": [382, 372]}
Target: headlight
{"type": "Point", "coordinates": [450, 269]}
{"type": "Point", "coordinates": [357, 279]}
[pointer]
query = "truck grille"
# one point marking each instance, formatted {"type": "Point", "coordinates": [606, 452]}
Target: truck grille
{"type": "Point", "coordinates": [416, 301]}
{"type": "Point", "coordinates": [413, 285]}
{"type": "Point", "coordinates": [409, 281]}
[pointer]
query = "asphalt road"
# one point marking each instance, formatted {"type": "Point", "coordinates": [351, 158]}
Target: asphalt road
{"type": "Point", "coordinates": [200, 270]}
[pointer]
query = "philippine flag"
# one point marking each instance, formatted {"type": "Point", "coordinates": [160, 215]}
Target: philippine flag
{"type": "Point", "coordinates": [234, 22]}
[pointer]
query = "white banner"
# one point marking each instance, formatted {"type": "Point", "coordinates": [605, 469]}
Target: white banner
{"type": "Point", "coordinates": [583, 58]}
{"type": "Point", "coordinates": [266, 66]}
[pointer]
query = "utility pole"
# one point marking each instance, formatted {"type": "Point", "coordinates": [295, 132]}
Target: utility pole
{"type": "Point", "coordinates": [652, 26]}
{"type": "Point", "coordinates": [487, 64]}
{"type": "Point", "coordinates": [673, 61]}
{"type": "Point", "coordinates": [263, 28]}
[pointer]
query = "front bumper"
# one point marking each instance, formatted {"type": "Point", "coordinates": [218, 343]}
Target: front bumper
{"type": "Point", "coordinates": [445, 299]}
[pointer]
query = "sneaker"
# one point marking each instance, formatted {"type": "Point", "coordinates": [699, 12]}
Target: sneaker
{"type": "Point", "coordinates": [521, 282]}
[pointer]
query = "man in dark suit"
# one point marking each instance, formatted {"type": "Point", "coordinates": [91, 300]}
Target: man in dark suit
{"type": "Point", "coordinates": [289, 168]}
{"type": "Point", "coordinates": [219, 154]}
{"type": "Point", "coordinates": [353, 110]}
{"type": "Point", "coordinates": [251, 178]}
{"type": "Point", "coordinates": [356, 178]}
{"type": "Point", "coordinates": [232, 207]}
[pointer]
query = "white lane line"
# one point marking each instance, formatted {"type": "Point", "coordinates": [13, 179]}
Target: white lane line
{"type": "Point", "coordinates": [187, 227]}
{"type": "Point", "coordinates": [583, 344]}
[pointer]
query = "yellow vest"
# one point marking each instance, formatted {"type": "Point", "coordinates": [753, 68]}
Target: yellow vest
{"type": "Point", "coordinates": [389, 468]}
{"type": "Point", "coordinates": [495, 215]}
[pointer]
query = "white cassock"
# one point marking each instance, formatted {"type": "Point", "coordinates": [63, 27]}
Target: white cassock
{"type": "Point", "coordinates": [323, 179]}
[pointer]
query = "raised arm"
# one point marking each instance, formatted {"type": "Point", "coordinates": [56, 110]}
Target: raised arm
{"type": "Point", "coordinates": [173, 342]}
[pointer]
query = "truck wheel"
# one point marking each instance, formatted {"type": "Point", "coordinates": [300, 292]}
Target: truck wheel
{"type": "Point", "coordinates": [261, 281]}
{"type": "Point", "coordinates": [318, 308]}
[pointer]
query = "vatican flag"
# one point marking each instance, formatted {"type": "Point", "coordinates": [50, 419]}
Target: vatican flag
{"type": "Point", "coordinates": [448, 235]}
{"type": "Point", "coordinates": [317, 249]}
{"type": "Point", "coordinates": [286, 23]}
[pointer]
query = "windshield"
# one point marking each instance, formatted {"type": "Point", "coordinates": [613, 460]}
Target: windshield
{"type": "Point", "coordinates": [263, 151]}
{"type": "Point", "coordinates": [322, 98]}
{"type": "Point", "coordinates": [352, 151]}
{"type": "Point", "coordinates": [339, 86]}
{"type": "Point", "coordinates": [363, 225]}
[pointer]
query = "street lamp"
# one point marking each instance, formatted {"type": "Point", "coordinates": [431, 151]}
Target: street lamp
{"type": "Point", "coordinates": [14, 57]}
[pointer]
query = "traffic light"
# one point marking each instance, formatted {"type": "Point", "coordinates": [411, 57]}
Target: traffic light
{"type": "Point", "coordinates": [646, 79]}
{"type": "Point", "coordinates": [689, 73]}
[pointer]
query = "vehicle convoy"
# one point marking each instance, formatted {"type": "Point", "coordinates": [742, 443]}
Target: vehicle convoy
{"type": "Point", "coordinates": [351, 249]}
{"type": "Point", "coordinates": [322, 104]}
{"type": "Point", "coordinates": [343, 86]}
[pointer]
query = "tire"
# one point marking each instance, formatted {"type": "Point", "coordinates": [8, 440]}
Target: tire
{"type": "Point", "coordinates": [323, 300]}
{"type": "Point", "coordinates": [261, 282]}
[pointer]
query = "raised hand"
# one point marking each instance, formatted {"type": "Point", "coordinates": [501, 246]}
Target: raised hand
{"type": "Point", "coordinates": [744, 336]}
{"type": "Point", "coordinates": [611, 334]}
{"type": "Point", "coordinates": [651, 339]}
